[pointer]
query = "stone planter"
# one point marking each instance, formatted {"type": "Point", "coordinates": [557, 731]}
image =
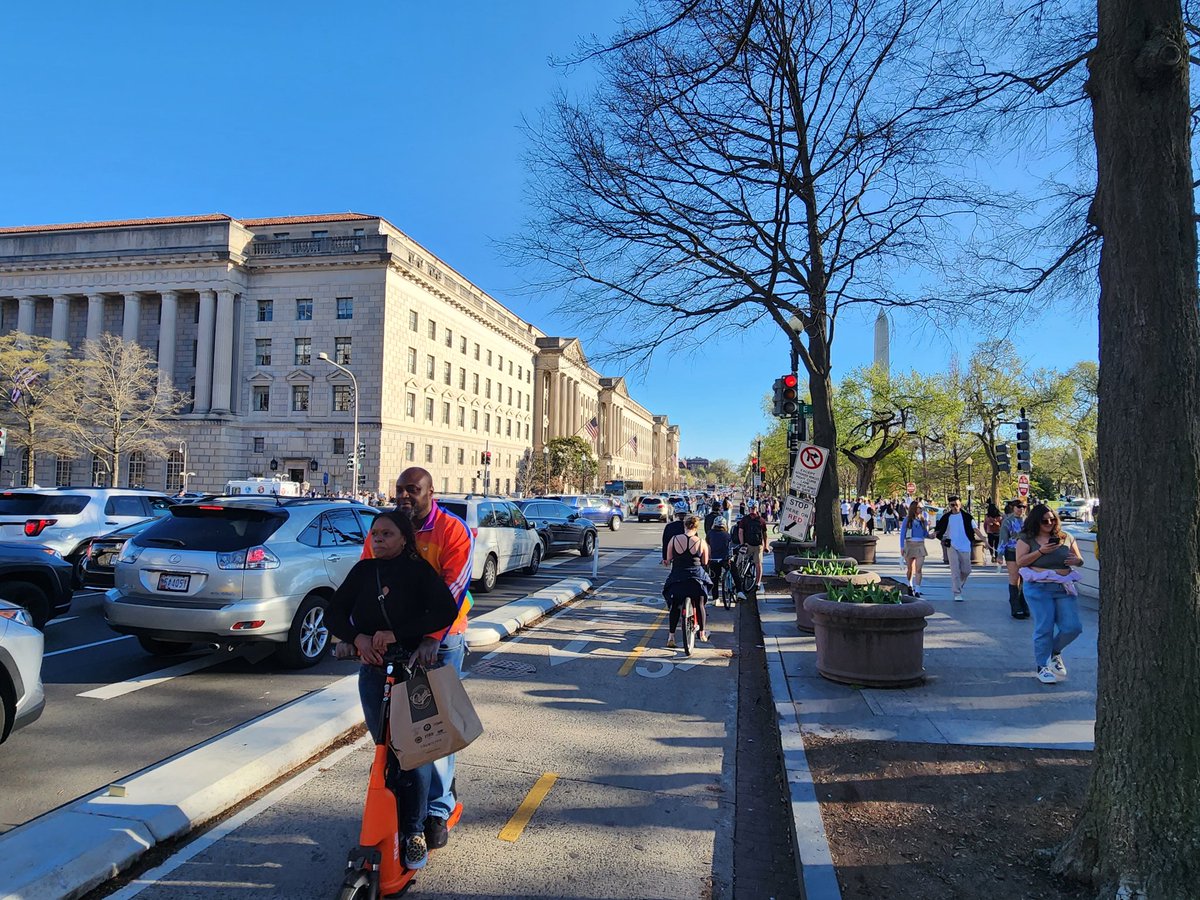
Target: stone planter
{"type": "Point", "coordinates": [804, 586]}
{"type": "Point", "coordinates": [861, 547]}
{"type": "Point", "coordinates": [872, 644]}
{"type": "Point", "coordinates": [784, 549]}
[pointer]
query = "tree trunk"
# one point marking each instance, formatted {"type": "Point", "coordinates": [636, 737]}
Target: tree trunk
{"type": "Point", "coordinates": [1139, 833]}
{"type": "Point", "coordinates": [865, 470]}
{"type": "Point", "coordinates": [828, 518]}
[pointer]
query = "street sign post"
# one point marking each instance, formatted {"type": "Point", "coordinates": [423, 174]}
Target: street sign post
{"type": "Point", "coordinates": [797, 516]}
{"type": "Point", "coordinates": [809, 467]}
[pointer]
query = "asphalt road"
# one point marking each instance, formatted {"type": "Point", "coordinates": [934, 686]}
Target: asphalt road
{"type": "Point", "coordinates": [635, 745]}
{"type": "Point", "coordinates": [111, 709]}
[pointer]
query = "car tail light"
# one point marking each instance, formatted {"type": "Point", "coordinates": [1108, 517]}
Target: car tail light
{"type": "Point", "coordinates": [474, 532]}
{"type": "Point", "coordinates": [251, 558]}
{"type": "Point", "coordinates": [129, 552]}
{"type": "Point", "coordinates": [246, 626]}
{"type": "Point", "coordinates": [34, 527]}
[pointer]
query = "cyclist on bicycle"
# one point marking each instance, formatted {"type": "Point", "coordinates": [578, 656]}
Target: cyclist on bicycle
{"type": "Point", "coordinates": [718, 554]}
{"type": "Point", "coordinates": [673, 528]}
{"type": "Point", "coordinates": [688, 558]}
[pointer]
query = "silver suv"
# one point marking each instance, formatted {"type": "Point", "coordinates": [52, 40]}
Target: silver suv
{"type": "Point", "coordinates": [21, 696]}
{"type": "Point", "coordinates": [66, 519]}
{"type": "Point", "coordinates": [235, 571]}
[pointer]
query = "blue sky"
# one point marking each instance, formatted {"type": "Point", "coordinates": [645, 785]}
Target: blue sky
{"type": "Point", "coordinates": [411, 111]}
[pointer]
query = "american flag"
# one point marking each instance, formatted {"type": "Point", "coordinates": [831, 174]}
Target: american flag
{"type": "Point", "coordinates": [21, 380]}
{"type": "Point", "coordinates": [632, 442]}
{"type": "Point", "coordinates": [593, 428]}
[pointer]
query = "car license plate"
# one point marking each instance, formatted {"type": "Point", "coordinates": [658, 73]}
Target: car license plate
{"type": "Point", "coordinates": [173, 582]}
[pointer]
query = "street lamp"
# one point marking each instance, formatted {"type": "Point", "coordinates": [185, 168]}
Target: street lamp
{"type": "Point", "coordinates": [354, 386]}
{"type": "Point", "coordinates": [546, 467]}
{"type": "Point", "coordinates": [970, 482]}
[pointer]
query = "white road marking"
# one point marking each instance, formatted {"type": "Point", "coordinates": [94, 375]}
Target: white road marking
{"type": "Point", "coordinates": [150, 679]}
{"type": "Point", "coordinates": [222, 831]}
{"type": "Point", "coordinates": [573, 650]}
{"type": "Point", "coordinates": [60, 621]}
{"type": "Point", "coordinates": [124, 637]}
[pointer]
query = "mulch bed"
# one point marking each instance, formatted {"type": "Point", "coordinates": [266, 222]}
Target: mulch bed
{"type": "Point", "coordinates": [935, 821]}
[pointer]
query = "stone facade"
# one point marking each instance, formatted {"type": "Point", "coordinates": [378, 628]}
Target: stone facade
{"type": "Point", "coordinates": [237, 312]}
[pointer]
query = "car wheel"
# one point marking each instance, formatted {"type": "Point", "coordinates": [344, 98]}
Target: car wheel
{"type": "Point", "coordinates": [614, 523]}
{"type": "Point", "coordinates": [30, 596]}
{"type": "Point", "coordinates": [308, 638]}
{"type": "Point", "coordinates": [588, 547]}
{"type": "Point", "coordinates": [487, 582]}
{"type": "Point", "coordinates": [156, 647]}
{"type": "Point", "coordinates": [535, 560]}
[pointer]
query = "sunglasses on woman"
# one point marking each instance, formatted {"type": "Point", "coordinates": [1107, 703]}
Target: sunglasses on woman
{"type": "Point", "coordinates": [1049, 521]}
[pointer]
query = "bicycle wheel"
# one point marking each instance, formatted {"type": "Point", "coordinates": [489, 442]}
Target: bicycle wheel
{"type": "Point", "coordinates": [688, 624]}
{"type": "Point", "coordinates": [728, 588]}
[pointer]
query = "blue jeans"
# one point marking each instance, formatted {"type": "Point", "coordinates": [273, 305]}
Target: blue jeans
{"type": "Point", "coordinates": [441, 797]}
{"type": "Point", "coordinates": [1055, 619]}
{"type": "Point", "coordinates": [410, 787]}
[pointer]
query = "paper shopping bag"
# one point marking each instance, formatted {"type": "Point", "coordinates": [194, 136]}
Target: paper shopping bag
{"type": "Point", "coordinates": [431, 717]}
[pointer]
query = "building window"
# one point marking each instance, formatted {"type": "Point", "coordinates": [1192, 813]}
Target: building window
{"type": "Point", "coordinates": [262, 351]}
{"type": "Point", "coordinates": [445, 413]}
{"type": "Point", "coordinates": [518, 373]}
{"type": "Point", "coordinates": [303, 351]}
{"type": "Point", "coordinates": [526, 431]}
{"type": "Point", "coordinates": [461, 455]}
{"type": "Point", "coordinates": [489, 358]}
{"type": "Point", "coordinates": [462, 417]}
{"type": "Point", "coordinates": [460, 485]}
{"type": "Point", "coordinates": [475, 383]}
{"type": "Point", "coordinates": [410, 451]}
{"type": "Point", "coordinates": [474, 420]}
{"type": "Point", "coordinates": [447, 372]}
{"type": "Point", "coordinates": [345, 307]}
{"type": "Point", "coordinates": [341, 351]}
{"type": "Point", "coordinates": [477, 351]}
{"type": "Point", "coordinates": [359, 232]}
{"type": "Point", "coordinates": [260, 398]}
{"type": "Point", "coordinates": [510, 367]}
{"type": "Point", "coordinates": [462, 345]}
{"type": "Point", "coordinates": [412, 361]}
{"type": "Point", "coordinates": [446, 456]}
{"type": "Point", "coordinates": [509, 401]}
{"type": "Point", "coordinates": [429, 453]}
{"type": "Point", "coordinates": [412, 320]}
{"type": "Point", "coordinates": [281, 235]}
{"type": "Point", "coordinates": [266, 310]}
{"type": "Point", "coordinates": [321, 233]}
{"type": "Point", "coordinates": [339, 446]}
{"type": "Point", "coordinates": [462, 379]}
{"type": "Point", "coordinates": [260, 445]}
{"type": "Point", "coordinates": [62, 471]}
{"type": "Point", "coordinates": [487, 422]}
{"type": "Point", "coordinates": [432, 330]}
{"type": "Point", "coordinates": [500, 363]}
{"type": "Point", "coordinates": [449, 338]}
{"type": "Point", "coordinates": [99, 473]}
{"type": "Point", "coordinates": [430, 367]}
{"type": "Point", "coordinates": [508, 428]}
{"type": "Point", "coordinates": [304, 310]}
{"type": "Point", "coordinates": [487, 388]}
{"type": "Point", "coordinates": [174, 471]}
{"type": "Point", "coordinates": [300, 398]}
{"type": "Point", "coordinates": [428, 409]}
{"type": "Point", "coordinates": [137, 469]}
{"type": "Point", "coordinates": [410, 405]}
{"type": "Point", "coordinates": [342, 397]}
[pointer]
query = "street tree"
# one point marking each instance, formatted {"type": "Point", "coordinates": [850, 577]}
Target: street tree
{"type": "Point", "coordinates": [31, 374]}
{"type": "Point", "coordinates": [721, 470]}
{"type": "Point", "coordinates": [1138, 835]}
{"type": "Point", "coordinates": [573, 462]}
{"type": "Point", "coordinates": [111, 402]}
{"type": "Point", "coordinates": [750, 162]}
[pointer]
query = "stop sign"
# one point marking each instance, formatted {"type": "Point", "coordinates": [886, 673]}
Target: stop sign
{"type": "Point", "coordinates": [912, 487]}
{"type": "Point", "coordinates": [1023, 485]}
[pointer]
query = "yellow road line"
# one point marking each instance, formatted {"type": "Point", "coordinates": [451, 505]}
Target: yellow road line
{"type": "Point", "coordinates": [528, 807]}
{"type": "Point", "coordinates": [632, 659]}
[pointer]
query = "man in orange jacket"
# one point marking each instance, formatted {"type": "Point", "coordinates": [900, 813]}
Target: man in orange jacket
{"type": "Point", "coordinates": [446, 543]}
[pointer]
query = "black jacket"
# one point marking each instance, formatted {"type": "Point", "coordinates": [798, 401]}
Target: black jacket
{"type": "Point", "coordinates": [417, 602]}
{"type": "Point", "coordinates": [939, 529]}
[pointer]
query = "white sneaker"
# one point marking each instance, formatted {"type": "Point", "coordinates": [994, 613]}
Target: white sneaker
{"type": "Point", "coordinates": [702, 636]}
{"type": "Point", "coordinates": [1045, 676]}
{"type": "Point", "coordinates": [1058, 666]}
{"type": "Point", "coordinates": [671, 642]}
{"type": "Point", "coordinates": [958, 598]}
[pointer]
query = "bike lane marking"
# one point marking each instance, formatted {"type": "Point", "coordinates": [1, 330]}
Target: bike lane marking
{"type": "Point", "coordinates": [528, 807]}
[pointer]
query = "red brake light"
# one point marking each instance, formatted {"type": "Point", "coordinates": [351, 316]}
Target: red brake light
{"type": "Point", "coordinates": [217, 508]}
{"type": "Point", "coordinates": [474, 532]}
{"type": "Point", "coordinates": [255, 555]}
{"type": "Point", "coordinates": [34, 527]}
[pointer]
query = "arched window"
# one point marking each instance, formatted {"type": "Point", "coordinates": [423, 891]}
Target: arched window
{"type": "Point", "coordinates": [174, 471]}
{"type": "Point", "coordinates": [99, 471]}
{"type": "Point", "coordinates": [62, 471]}
{"type": "Point", "coordinates": [137, 469]}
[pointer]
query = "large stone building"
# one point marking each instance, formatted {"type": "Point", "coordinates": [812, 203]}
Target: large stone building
{"type": "Point", "coordinates": [237, 313]}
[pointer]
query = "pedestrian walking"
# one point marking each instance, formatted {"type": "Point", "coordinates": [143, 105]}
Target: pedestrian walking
{"type": "Point", "coordinates": [914, 529]}
{"type": "Point", "coordinates": [955, 529]}
{"type": "Point", "coordinates": [1010, 529]}
{"type": "Point", "coordinates": [991, 528]}
{"type": "Point", "coordinates": [1046, 555]}
{"type": "Point", "coordinates": [845, 513]}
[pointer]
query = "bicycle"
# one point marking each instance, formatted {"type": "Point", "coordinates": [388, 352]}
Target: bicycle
{"type": "Point", "coordinates": [741, 569]}
{"type": "Point", "coordinates": [688, 626]}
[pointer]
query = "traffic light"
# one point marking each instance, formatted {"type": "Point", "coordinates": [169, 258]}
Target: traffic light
{"type": "Point", "coordinates": [754, 462]}
{"type": "Point", "coordinates": [350, 461]}
{"type": "Point", "coordinates": [362, 450]}
{"type": "Point", "coordinates": [1023, 457]}
{"type": "Point", "coordinates": [787, 397]}
{"type": "Point", "coordinates": [1002, 461]}
{"type": "Point", "coordinates": [762, 471]}
{"type": "Point", "coordinates": [485, 458]}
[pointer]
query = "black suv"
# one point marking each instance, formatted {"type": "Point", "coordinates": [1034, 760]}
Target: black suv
{"type": "Point", "coordinates": [36, 578]}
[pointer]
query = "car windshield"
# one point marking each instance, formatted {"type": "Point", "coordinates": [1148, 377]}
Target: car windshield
{"type": "Point", "coordinates": [33, 504]}
{"type": "Point", "coordinates": [213, 528]}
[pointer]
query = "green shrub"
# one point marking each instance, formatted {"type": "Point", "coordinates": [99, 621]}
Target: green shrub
{"type": "Point", "coordinates": [817, 554]}
{"type": "Point", "coordinates": [863, 593]}
{"type": "Point", "coordinates": [829, 567]}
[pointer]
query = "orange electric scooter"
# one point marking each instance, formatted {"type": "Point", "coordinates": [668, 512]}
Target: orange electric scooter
{"type": "Point", "coordinates": [375, 869]}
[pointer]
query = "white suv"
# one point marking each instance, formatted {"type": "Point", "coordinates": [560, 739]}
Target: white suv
{"type": "Point", "coordinates": [504, 539]}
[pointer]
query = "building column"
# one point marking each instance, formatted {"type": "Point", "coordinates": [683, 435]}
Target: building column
{"type": "Point", "coordinates": [25, 312]}
{"type": "Point", "coordinates": [539, 410]}
{"type": "Point", "coordinates": [95, 318]}
{"type": "Point", "coordinates": [575, 424]}
{"type": "Point", "coordinates": [204, 352]}
{"type": "Point", "coordinates": [60, 318]}
{"type": "Point", "coordinates": [133, 318]}
{"type": "Point", "coordinates": [168, 317]}
{"type": "Point", "coordinates": [555, 401]}
{"type": "Point", "coordinates": [222, 367]}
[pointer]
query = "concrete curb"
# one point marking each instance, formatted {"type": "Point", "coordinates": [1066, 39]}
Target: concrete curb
{"type": "Point", "coordinates": [813, 857]}
{"type": "Point", "coordinates": [491, 628]}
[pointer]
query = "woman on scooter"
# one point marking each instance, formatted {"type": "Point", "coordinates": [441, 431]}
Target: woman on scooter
{"type": "Point", "coordinates": [391, 602]}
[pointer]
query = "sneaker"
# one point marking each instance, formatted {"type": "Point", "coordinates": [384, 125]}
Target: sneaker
{"type": "Point", "coordinates": [1045, 676]}
{"type": "Point", "coordinates": [702, 636]}
{"type": "Point", "coordinates": [416, 852]}
{"type": "Point", "coordinates": [436, 833]}
{"type": "Point", "coordinates": [1058, 666]}
{"type": "Point", "coordinates": [671, 642]}
{"type": "Point", "coordinates": [761, 588]}
{"type": "Point", "coordinates": [741, 595]}
{"type": "Point", "coordinates": [916, 592]}
{"type": "Point", "coordinates": [958, 598]}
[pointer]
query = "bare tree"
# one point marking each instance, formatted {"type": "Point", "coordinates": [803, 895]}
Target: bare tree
{"type": "Point", "coordinates": [112, 404]}
{"type": "Point", "coordinates": [755, 161]}
{"type": "Point", "coordinates": [30, 375]}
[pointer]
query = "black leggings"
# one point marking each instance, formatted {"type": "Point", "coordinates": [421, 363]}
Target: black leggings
{"type": "Point", "coordinates": [716, 571]}
{"type": "Point", "coordinates": [677, 611]}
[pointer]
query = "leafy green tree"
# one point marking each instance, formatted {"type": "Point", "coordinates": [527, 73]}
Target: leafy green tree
{"type": "Point", "coordinates": [31, 374]}
{"type": "Point", "coordinates": [721, 470]}
{"type": "Point", "coordinates": [573, 463]}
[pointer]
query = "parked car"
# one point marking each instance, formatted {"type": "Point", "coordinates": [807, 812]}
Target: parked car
{"type": "Point", "coordinates": [1074, 511]}
{"type": "Point", "coordinates": [95, 567]}
{"type": "Point", "coordinates": [238, 570]}
{"type": "Point", "coordinates": [653, 508]}
{"type": "Point", "coordinates": [65, 519]}
{"type": "Point", "coordinates": [598, 509]}
{"type": "Point", "coordinates": [21, 696]}
{"type": "Point", "coordinates": [35, 578]}
{"type": "Point", "coordinates": [560, 527]}
{"type": "Point", "coordinates": [504, 539]}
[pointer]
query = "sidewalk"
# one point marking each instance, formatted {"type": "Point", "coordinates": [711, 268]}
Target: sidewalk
{"type": "Point", "coordinates": [980, 690]}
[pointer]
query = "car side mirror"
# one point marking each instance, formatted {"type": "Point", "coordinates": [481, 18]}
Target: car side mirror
{"type": "Point", "coordinates": [529, 524]}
